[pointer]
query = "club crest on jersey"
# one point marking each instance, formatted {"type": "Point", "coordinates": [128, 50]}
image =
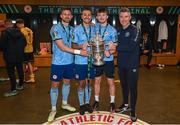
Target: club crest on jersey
{"type": "Point", "coordinates": [76, 76]}
{"type": "Point", "coordinates": [106, 33]}
{"type": "Point", "coordinates": [54, 76]}
{"type": "Point", "coordinates": [55, 34]}
{"type": "Point", "coordinates": [134, 70]}
{"type": "Point", "coordinates": [127, 34]}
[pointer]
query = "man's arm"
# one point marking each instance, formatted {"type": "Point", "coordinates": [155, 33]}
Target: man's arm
{"type": "Point", "coordinates": [113, 43]}
{"type": "Point", "coordinates": [3, 41]}
{"type": "Point", "coordinates": [65, 48]}
{"type": "Point", "coordinates": [112, 47]}
{"type": "Point", "coordinates": [82, 46]}
{"type": "Point", "coordinates": [76, 46]}
{"type": "Point", "coordinates": [24, 39]}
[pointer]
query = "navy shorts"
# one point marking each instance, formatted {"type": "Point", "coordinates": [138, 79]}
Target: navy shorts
{"type": "Point", "coordinates": [81, 72]}
{"type": "Point", "coordinates": [58, 72]}
{"type": "Point", "coordinates": [107, 68]}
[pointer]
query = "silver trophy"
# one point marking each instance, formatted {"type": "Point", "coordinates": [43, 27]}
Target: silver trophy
{"type": "Point", "coordinates": [97, 50]}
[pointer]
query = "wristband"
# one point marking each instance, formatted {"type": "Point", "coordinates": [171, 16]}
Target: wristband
{"type": "Point", "coordinates": [77, 51]}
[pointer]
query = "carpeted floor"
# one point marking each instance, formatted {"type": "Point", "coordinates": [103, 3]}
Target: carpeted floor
{"type": "Point", "coordinates": [158, 97]}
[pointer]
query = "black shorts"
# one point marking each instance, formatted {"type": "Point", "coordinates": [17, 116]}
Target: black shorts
{"type": "Point", "coordinates": [28, 57]}
{"type": "Point", "coordinates": [107, 68]}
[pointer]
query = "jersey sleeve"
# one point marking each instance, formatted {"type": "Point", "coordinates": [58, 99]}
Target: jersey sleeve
{"type": "Point", "coordinates": [114, 36]}
{"type": "Point", "coordinates": [55, 33]}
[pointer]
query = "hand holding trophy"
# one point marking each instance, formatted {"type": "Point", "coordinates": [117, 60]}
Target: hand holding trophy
{"type": "Point", "coordinates": [85, 46]}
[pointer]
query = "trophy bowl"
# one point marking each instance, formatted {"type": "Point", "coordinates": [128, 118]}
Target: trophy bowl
{"type": "Point", "coordinates": [98, 52]}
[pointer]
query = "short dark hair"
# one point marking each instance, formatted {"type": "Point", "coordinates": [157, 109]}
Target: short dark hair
{"type": "Point", "coordinates": [124, 9]}
{"type": "Point", "coordinates": [20, 21]}
{"type": "Point", "coordinates": [84, 9]}
{"type": "Point", "coordinates": [67, 8]}
{"type": "Point", "coordinates": [102, 10]}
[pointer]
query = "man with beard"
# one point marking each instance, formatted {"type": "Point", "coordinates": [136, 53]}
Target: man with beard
{"type": "Point", "coordinates": [83, 33]}
{"type": "Point", "coordinates": [62, 61]}
{"type": "Point", "coordinates": [128, 62]}
{"type": "Point", "coordinates": [108, 34]}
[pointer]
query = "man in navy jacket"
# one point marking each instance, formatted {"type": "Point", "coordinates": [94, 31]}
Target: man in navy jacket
{"type": "Point", "coordinates": [128, 62]}
{"type": "Point", "coordinates": [12, 43]}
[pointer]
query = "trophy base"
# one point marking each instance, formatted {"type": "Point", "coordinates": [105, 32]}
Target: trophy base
{"type": "Point", "coordinates": [98, 63]}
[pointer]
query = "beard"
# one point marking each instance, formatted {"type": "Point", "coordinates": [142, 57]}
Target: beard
{"type": "Point", "coordinates": [86, 21]}
{"type": "Point", "coordinates": [66, 20]}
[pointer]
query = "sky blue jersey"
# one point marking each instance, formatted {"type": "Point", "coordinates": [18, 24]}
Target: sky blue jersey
{"type": "Point", "coordinates": [65, 33]}
{"type": "Point", "coordinates": [108, 33]}
{"type": "Point", "coordinates": [81, 36]}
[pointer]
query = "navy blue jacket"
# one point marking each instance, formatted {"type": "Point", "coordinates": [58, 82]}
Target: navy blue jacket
{"type": "Point", "coordinates": [128, 47]}
{"type": "Point", "coordinates": [12, 43]}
